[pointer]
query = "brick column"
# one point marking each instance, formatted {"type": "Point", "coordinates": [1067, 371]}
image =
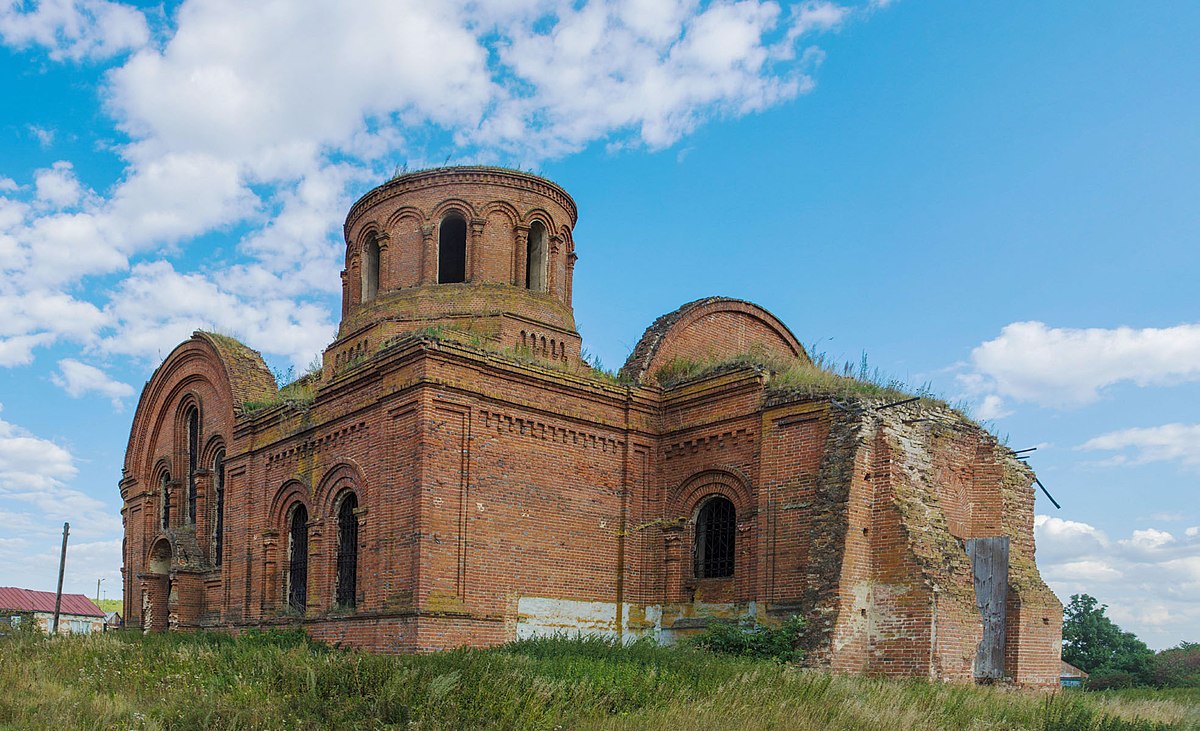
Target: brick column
{"type": "Point", "coordinates": [345, 294]}
{"type": "Point", "coordinates": [474, 247]}
{"type": "Point", "coordinates": [429, 255]}
{"type": "Point", "coordinates": [555, 271]}
{"type": "Point", "coordinates": [386, 281]}
{"type": "Point", "coordinates": [319, 581]}
{"type": "Point", "coordinates": [520, 251]}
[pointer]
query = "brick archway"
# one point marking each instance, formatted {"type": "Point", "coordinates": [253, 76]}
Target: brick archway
{"type": "Point", "coordinates": [156, 587]}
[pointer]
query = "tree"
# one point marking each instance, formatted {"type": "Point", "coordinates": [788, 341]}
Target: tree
{"type": "Point", "coordinates": [1095, 644]}
{"type": "Point", "coordinates": [1178, 667]}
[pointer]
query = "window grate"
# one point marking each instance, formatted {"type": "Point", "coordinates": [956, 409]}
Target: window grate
{"type": "Point", "coordinates": [219, 521]}
{"type": "Point", "coordinates": [347, 557]}
{"type": "Point", "coordinates": [193, 447]}
{"type": "Point", "coordinates": [166, 500]}
{"type": "Point", "coordinates": [297, 593]}
{"type": "Point", "coordinates": [716, 529]}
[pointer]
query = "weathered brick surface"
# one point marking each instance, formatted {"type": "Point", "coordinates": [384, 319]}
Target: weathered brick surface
{"type": "Point", "coordinates": [499, 498]}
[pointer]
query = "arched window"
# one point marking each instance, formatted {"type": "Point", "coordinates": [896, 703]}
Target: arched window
{"type": "Point", "coordinates": [716, 528]}
{"type": "Point", "coordinates": [166, 500]}
{"type": "Point", "coordinates": [535, 257]}
{"type": "Point", "coordinates": [452, 250]}
{"type": "Point", "coordinates": [297, 585]}
{"type": "Point", "coordinates": [370, 273]}
{"type": "Point", "coordinates": [219, 518]}
{"type": "Point", "coordinates": [193, 449]}
{"type": "Point", "coordinates": [347, 551]}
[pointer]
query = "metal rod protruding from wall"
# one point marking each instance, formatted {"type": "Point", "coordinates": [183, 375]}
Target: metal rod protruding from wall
{"type": "Point", "coordinates": [898, 403]}
{"type": "Point", "coordinates": [1039, 484]}
{"type": "Point", "coordinates": [62, 565]}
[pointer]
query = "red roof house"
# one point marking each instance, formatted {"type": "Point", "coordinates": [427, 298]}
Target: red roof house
{"type": "Point", "coordinates": [77, 613]}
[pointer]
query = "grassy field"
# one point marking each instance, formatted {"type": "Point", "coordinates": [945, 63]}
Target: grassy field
{"type": "Point", "coordinates": [203, 681]}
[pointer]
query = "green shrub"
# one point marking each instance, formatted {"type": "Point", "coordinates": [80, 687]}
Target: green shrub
{"type": "Point", "coordinates": [756, 640]}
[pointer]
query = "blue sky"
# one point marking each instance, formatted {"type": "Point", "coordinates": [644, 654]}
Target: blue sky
{"type": "Point", "coordinates": [996, 199]}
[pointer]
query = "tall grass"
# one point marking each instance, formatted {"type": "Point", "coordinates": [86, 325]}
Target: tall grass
{"type": "Point", "coordinates": [282, 681]}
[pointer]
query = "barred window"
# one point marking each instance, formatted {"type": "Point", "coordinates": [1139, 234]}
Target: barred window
{"type": "Point", "coordinates": [347, 554]}
{"type": "Point", "coordinates": [193, 449]}
{"type": "Point", "coordinates": [716, 528]}
{"type": "Point", "coordinates": [219, 518]}
{"type": "Point", "coordinates": [297, 585]}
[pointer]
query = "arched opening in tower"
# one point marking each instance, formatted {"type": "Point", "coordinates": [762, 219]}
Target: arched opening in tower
{"type": "Point", "coordinates": [535, 258]}
{"type": "Point", "coordinates": [370, 286]}
{"type": "Point", "coordinates": [452, 250]}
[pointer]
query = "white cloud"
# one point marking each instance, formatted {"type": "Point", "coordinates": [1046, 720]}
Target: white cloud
{"type": "Point", "coordinates": [1150, 580]}
{"type": "Point", "coordinates": [18, 349]}
{"type": "Point", "coordinates": [1167, 443]}
{"type": "Point", "coordinates": [73, 29]}
{"type": "Point", "coordinates": [36, 496]}
{"type": "Point", "coordinates": [44, 136]}
{"type": "Point", "coordinates": [816, 17]}
{"type": "Point", "coordinates": [57, 185]}
{"type": "Point", "coordinates": [992, 407]}
{"type": "Point", "coordinates": [602, 70]}
{"type": "Point", "coordinates": [263, 91]}
{"type": "Point", "coordinates": [1192, 532]}
{"type": "Point", "coordinates": [157, 307]}
{"type": "Point", "coordinates": [1062, 367]}
{"type": "Point", "coordinates": [1149, 539]}
{"type": "Point", "coordinates": [78, 379]}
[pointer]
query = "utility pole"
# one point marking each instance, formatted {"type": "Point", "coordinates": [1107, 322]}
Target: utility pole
{"type": "Point", "coordinates": [62, 565]}
{"type": "Point", "coordinates": [98, 589]}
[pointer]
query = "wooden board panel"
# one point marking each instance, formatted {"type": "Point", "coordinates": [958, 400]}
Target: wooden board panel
{"type": "Point", "coordinates": [989, 563]}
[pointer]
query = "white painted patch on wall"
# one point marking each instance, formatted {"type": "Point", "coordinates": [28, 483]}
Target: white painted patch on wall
{"type": "Point", "coordinates": [545, 617]}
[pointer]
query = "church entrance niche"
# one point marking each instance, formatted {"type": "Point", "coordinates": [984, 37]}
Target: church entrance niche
{"type": "Point", "coordinates": [156, 588]}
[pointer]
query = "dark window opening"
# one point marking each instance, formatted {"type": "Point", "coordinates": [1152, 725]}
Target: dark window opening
{"type": "Point", "coordinates": [347, 555]}
{"type": "Point", "coordinates": [166, 500]}
{"type": "Point", "coordinates": [297, 588]}
{"type": "Point", "coordinates": [219, 518]}
{"type": "Point", "coordinates": [716, 527]}
{"type": "Point", "coordinates": [452, 250]}
{"type": "Point", "coordinates": [370, 284]}
{"type": "Point", "coordinates": [193, 448]}
{"type": "Point", "coordinates": [535, 258]}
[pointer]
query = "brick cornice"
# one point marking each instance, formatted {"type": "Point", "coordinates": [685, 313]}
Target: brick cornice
{"type": "Point", "coordinates": [468, 174]}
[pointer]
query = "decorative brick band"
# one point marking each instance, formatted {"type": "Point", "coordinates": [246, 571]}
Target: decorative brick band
{"type": "Point", "coordinates": [313, 446]}
{"type": "Point", "coordinates": [463, 175]}
{"type": "Point", "coordinates": [504, 423]}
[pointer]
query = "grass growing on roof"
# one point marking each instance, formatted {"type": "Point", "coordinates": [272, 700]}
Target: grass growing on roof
{"type": "Point", "coordinates": [821, 377]}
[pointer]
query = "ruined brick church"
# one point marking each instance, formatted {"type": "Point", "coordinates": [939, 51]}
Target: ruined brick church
{"type": "Point", "coordinates": [455, 474]}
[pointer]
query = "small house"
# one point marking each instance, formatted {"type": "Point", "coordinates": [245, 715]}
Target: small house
{"type": "Point", "coordinates": [77, 614]}
{"type": "Point", "coordinates": [1071, 676]}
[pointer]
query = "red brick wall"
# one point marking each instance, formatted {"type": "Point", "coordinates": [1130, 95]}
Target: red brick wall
{"type": "Point", "coordinates": [497, 498]}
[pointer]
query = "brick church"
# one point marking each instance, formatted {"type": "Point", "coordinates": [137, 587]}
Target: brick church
{"type": "Point", "coordinates": [455, 474]}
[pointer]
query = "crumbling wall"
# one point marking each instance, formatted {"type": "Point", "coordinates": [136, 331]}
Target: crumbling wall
{"type": "Point", "coordinates": [1034, 625]}
{"type": "Point", "coordinates": [933, 480]}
